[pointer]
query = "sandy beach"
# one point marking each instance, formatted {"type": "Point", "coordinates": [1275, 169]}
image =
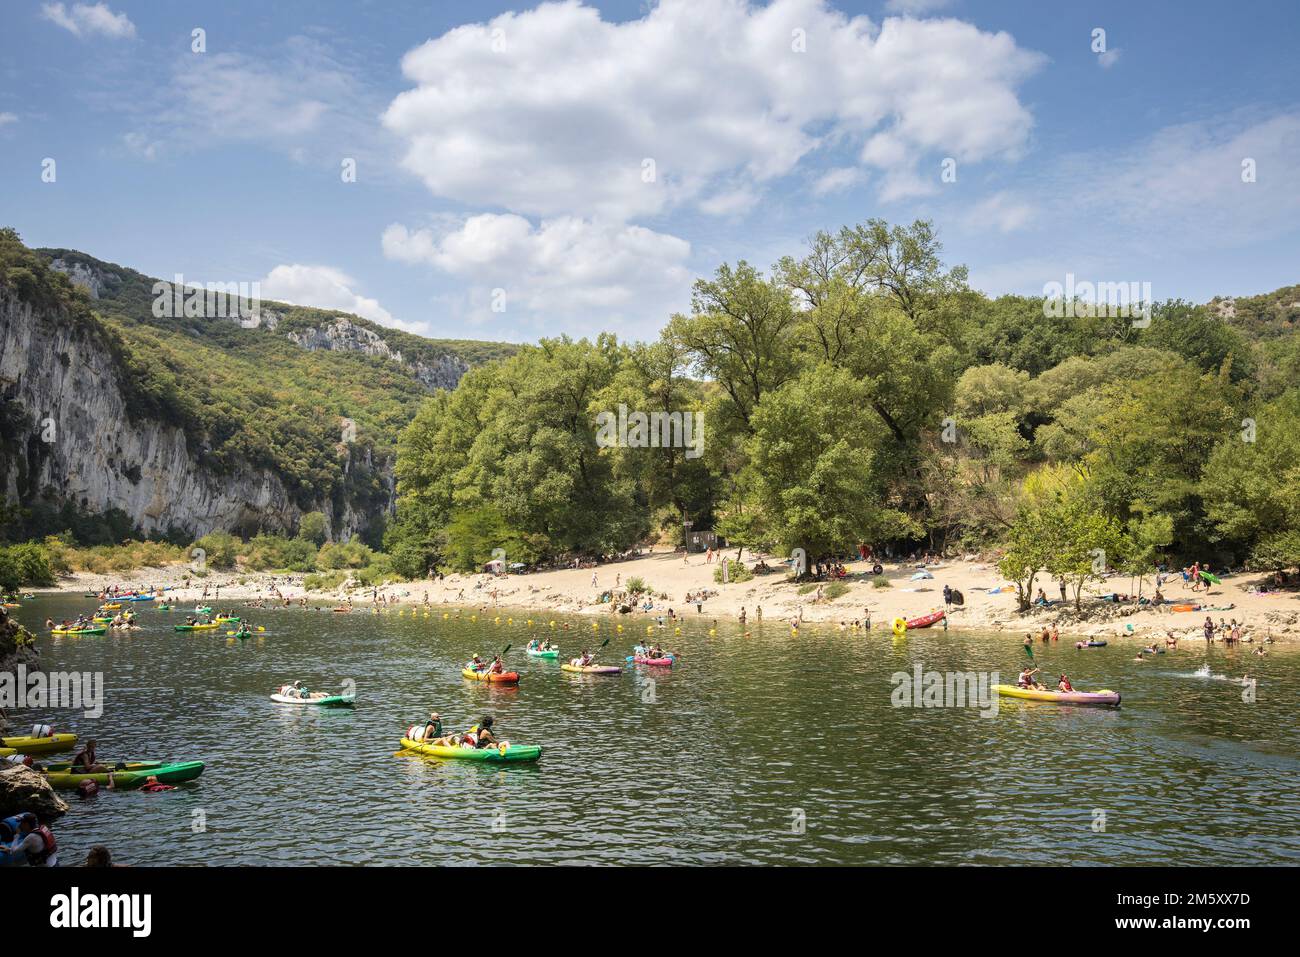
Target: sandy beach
{"type": "Point", "coordinates": [990, 601]}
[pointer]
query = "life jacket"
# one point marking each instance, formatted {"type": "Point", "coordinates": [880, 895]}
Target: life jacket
{"type": "Point", "coordinates": [38, 859]}
{"type": "Point", "coordinates": [42, 731]}
{"type": "Point", "coordinates": [158, 787]}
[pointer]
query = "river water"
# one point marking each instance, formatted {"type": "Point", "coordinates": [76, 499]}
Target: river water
{"type": "Point", "coordinates": [766, 749]}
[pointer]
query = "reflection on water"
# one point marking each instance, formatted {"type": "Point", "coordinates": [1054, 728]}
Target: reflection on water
{"type": "Point", "coordinates": [768, 749]}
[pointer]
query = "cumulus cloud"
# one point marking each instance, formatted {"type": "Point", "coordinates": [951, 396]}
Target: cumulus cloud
{"type": "Point", "coordinates": [564, 272]}
{"type": "Point", "coordinates": [916, 8]}
{"type": "Point", "coordinates": [554, 111]}
{"type": "Point", "coordinates": [326, 288]}
{"type": "Point", "coordinates": [1109, 58]}
{"type": "Point", "coordinates": [85, 19]}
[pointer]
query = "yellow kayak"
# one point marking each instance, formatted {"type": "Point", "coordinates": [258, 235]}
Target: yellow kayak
{"type": "Point", "coordinates": [1104, 697]}
{"type": "Point", "coordinates": [512, 752]}
{"type": "Point", "coordinates": [28, 745]}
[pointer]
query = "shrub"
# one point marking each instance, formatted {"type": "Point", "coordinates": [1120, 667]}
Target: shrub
{"type": "Point", "coordinates": [636, 585]}
{"type": "Point", "coordinates": [835, 590]}
{"type": "Point", "coordinates": [736, 571]}
{"type": "Point", "coordinates": [880, 581]}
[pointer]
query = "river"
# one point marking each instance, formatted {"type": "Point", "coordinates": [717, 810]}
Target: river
{"type": "Point", "coordinates": [767, 749]}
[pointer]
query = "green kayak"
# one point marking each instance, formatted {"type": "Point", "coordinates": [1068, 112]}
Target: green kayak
{"type": "Point", "coordinates": [552, 653]}
{"type": "Point", "coordinates": [136, 774]}
{"type": "Point", "coordinates": [514, 752]}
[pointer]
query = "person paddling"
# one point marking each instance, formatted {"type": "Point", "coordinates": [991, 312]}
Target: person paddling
{"type": "Point", "coordinates": [1027, 680]}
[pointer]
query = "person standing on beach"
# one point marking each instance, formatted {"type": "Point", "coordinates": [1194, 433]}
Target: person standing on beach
{"type": "Point", "coordinates": [758, 613]}
{"type": "Point", "coordinates": [742, 616]}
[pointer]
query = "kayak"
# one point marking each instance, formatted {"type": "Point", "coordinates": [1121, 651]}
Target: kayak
{"type": "Point", "coordinates": [27, 745]}
{"type": "Point", "coordinates": [141, 598]}
{"type": "Point", "coordinates": [164, 607]}
{"type": "Point", "coordinates": [1212, 579]}
{"type": "Point", "coordinates": [504, 678]}
{"type": "Point", "coordinates": [319, 698]}
{"type": "Point", "coordinates": [211, 624]}
{"type": "Point", "coordinates": [78, 631]}
{"type": "Point", "coordinates": [1110, 698]}
{"type": "Point", "coordinates": [222, 621]}
{"type": "Point", "coordinates": [642, 660]}
{"type": "Point", "coordinates": [132, 776]}
{"type": "Point", "coordinates": [591, 669]}
{"type": "Point", "coordinates": [513, 752]}
{"type": "Point", "coordinates": [925, 621]}
{"type": "Point", "coordinates": [205, 610]}
{"type": "Point", "coordinates": [553, 653]}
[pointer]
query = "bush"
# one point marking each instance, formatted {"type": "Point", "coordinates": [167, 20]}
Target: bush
{"type": "Point", "coordinates": [219, 549]}
{"type": "Point", "coordinates": [353, 554]}
{"type": "Point", "coordinates": [736, 571]}
{"type": "Point", "coordinates": [835, 590]}
{"type": "Point", "coordinates": [312, 528]}
{"type": "Point", "coordinates": [278, 552]}
{"type": "Point", "coordinates": [636, 585]}
{"type": "Point", "coordinates": [880, 581]}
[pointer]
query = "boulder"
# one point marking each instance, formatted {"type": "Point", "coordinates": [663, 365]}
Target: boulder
{"type": "Point", "coordinates": [22, 789]}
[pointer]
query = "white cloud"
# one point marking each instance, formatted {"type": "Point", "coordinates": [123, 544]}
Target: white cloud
{"type": "Point", "coordinates": [326, 288]}
{"type": "Point", "coordinates": [1109, 58]}
{"type": "Point", "coordinates": [85, 19]}
{"type": "Point", "coordinates": [837, 180]}
{"type": "Point", "coordinates": [1174, 197]}
{"type": "Point", "coordinates": [299, 98]}
{"type": "Point", "coordinates": [552, 111]}
{"type": "Point", "coordinates": [916, 8]}
{"type": "Point", "coordinates": [1002, 211]}
{"type": "Point", "coordinates": [7, 118]}
{"type": "Point", "coordinates": [562, 275]}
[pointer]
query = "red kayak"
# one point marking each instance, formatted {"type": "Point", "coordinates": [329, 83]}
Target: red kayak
{"type": "Point", "coordinates": [925, 621]}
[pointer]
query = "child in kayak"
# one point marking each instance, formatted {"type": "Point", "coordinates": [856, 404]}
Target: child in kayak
{"type": "Point", "coordinates": [1064, 684]}
{"type": "Point", "coordinates": [497, 667]}
{"type": "Point", "coordinates": [582, 660]}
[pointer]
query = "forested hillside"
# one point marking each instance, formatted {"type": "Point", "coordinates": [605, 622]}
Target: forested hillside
{"type": "Point", "coordinates": [310, 399]}
{"type": "Point", "coordinates": [860, 391]}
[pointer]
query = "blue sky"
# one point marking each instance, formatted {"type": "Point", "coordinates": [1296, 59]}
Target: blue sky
{"type": "Point", "coordinates": [502, 151]}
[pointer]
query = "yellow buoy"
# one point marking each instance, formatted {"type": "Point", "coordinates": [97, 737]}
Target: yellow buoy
{"type": "Point", "coordinates": [620, 627]}
{"type": "Point", "coordinates": [713, 631]}
{"type": "Point", "coordinates": [677, 631]}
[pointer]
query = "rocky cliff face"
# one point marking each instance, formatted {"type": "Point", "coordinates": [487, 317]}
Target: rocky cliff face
{"type": "Point", "coordinates": [343, 335]}
{"type": "Point", "coordinates": [80, 445]}
{"type": "Point", "coordinates": [339, 334]}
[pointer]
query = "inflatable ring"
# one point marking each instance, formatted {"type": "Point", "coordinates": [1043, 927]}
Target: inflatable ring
{"type": "Point", "coordinates": [877, 569]}
{"type": "Point", "coordinates": [900, 626]}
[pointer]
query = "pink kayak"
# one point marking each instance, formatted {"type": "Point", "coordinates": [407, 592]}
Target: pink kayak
{"type": "Point", "coordinates": [666, 662]}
